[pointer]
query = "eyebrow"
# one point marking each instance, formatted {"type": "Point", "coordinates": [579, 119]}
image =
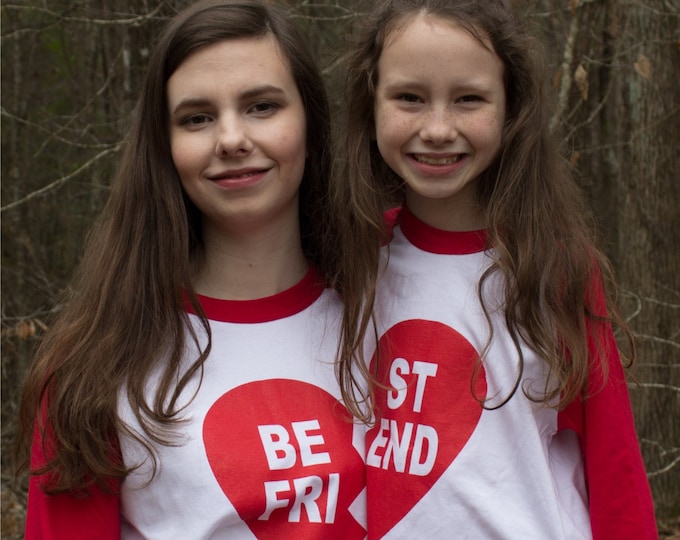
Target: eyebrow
{"type": "Point", "coordinates": [263, 89]}
{"type": "Point", "coordinates": [251, 93]}
{"type": "Point", "coordinates": [403, 84]}
{"type": "Point", "coordinates": [415, 85]}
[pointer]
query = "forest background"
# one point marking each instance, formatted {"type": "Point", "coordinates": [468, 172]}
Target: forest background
{"type": "Point", "coordinates": [71, 72]}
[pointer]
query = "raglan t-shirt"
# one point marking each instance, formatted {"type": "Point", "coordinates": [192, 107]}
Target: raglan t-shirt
{"type": "Point", "coordinates": [439, 465]}
{"type": "Point", "coordinates": [266, 449]}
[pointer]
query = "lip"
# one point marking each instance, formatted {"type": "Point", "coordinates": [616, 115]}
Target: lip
{"type": "Point", "coordinates": [435, 164]}
{"type": "Point", "coordinates": [238, 178]}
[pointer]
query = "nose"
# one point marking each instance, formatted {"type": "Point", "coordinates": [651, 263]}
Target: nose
{"type": "Point", "coordinates": [232, 137]}
{"type": "Point", "coordinates": [439, 125]}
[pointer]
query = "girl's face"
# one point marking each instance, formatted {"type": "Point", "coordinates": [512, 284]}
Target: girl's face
{"type": "Point", "coordinates": [439, 114]}
{"type": "Point", "coordinates": [238, 134]}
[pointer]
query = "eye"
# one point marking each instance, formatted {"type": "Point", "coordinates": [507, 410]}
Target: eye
{"type": "Point", "coordinates": [470, 98]}
{"type": "Point", "coordinates": [195, 120]}
{"type": "Point", "coordinates": [264, 108]}
{"type": "Point", "coordinates": [408, 98]}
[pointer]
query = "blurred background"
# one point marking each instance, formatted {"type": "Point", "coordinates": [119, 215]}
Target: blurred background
{"type": "Point", "coordinates": [71, 72]}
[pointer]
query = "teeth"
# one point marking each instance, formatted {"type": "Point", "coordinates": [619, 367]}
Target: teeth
{"type": "Point", "coordinates": [244, 175]}
{"type": "Point", "coordinates": [437, 161]}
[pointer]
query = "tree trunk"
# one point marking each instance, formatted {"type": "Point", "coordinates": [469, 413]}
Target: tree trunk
{"type": "Point", "coordinates": [644, 113]}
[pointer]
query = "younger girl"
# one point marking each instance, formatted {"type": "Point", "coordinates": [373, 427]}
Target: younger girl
{"type": "Point", "coordinates": [501, 409]}
{"type": "Point", "coordinates": [187, 390]}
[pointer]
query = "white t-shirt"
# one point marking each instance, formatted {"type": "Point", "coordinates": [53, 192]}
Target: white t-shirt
{"type": "Point", "coordinates": [267, 449]}
{"type": "Point", "coordinates": [439, 465]}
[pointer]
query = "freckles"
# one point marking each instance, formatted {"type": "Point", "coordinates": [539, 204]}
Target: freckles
{"type": "Point", "coordinates": [488, 123]}
{"type": "Point", "coordinates": [490, 117]}
{"type": "Point", "coordinates": [379, 115]}
{"type": "Point", "coordinates": [392, 121]}
{"type": "Point", "coordinates": [381, 128]}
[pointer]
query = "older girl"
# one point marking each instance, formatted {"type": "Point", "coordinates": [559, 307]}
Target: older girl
{"type": "Point", "coordinates": [187, 389]}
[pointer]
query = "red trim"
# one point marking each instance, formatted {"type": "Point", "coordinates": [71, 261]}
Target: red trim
{"type": "Point", "coordinates": [269, 308]}
{"type": "Point", "coordinates": [437, 241]}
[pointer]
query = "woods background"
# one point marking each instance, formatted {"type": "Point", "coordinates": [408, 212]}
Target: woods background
{"type": "Point", "coordinates": [71, 72]}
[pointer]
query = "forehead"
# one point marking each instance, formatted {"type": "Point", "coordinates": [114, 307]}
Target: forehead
{"type": "Point", "coordinates": [436, 22]}
{"type": "Point", "coordinates": [424, 44]}
{"type": "Point", "coordinates": [233, 61]}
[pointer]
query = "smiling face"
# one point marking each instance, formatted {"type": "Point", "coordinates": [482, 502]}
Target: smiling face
{"type": "Point", "coordinates": [237, 134]}
{"type": "Point", "coordinates": [439, 114]}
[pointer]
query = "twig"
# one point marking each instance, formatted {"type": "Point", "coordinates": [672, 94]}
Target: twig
{"type": "Point", "coordinates": [60, 181]}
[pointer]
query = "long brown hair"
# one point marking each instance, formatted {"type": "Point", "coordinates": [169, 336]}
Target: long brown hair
{"type": "Point", "coordinates": [543, 243]}
{"type": "Point", "coordinates": [125, 310]}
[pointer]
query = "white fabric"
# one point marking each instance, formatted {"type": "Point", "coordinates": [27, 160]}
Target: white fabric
{"type": "Point", "coordinates": [266, 449]}
{"type": "Point", "coordinates": [453, 469]}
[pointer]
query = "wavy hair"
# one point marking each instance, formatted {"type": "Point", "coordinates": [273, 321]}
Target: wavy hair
{"type": "Point", "coordinates": [544, 244]}
{"type": "Point", "coordinates": [125, 312]}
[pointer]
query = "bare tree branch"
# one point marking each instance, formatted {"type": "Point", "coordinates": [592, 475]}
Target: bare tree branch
{"type": "Point", "coordinates": [123, 21]}
{"type": "Point", "coordinates": [655, 385]}
{"type": "Point", "coordinates": [61, 181]}
{"type": "Point", "coordinates": [565, 75]}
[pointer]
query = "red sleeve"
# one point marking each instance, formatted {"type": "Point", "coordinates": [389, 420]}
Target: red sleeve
{"type": "Point", "coordinates": [65, 516]}
{"type": "Point", "coordinates": [621, 505]}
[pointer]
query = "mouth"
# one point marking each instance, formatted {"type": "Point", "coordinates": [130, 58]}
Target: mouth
{"type": "Point", "coordinates": [437, 161]}
{"type": "Point", "coordinates": [241, 174]}
{"type": "Point", "coordinates": [238, 179]}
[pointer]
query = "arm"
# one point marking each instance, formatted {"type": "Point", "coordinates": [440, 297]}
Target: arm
{"type": "Point", "coordinates": [621, 504]}
{"type": "Point", "coordinates": [620, 500]}
{"type": "Point", "coordinates": [66, 516]}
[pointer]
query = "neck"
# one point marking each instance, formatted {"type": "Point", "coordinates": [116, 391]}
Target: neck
{"type": "Point", "coordinates": [252, 265]}
{"type": "Point", "coordinates": [459, 213]}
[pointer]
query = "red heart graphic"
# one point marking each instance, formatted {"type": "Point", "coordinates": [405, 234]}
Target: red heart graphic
{"type": "Point", "coordinates": [424, 418]}
{"type": "Point", "coordinates": [282, 453]}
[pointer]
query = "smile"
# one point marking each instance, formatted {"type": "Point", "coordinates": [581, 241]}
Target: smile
{"type": "Point", "coordinates": [239, 179]}
{"type": "Point", "coordinates": [427, 160]}
{"type": "Point", "coordinates": [238, 174]}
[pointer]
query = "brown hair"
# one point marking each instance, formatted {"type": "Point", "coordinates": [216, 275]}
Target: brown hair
{"type": "Point", "coordinates": [543, 244]}
{"type": "Point", "coordinates": [126, 309]}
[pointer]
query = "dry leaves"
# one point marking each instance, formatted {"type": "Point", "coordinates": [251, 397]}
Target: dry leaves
{"type": "Point", "coordinates": [643, 66]}
{"type": "Point", "coordinates": [581, 80]}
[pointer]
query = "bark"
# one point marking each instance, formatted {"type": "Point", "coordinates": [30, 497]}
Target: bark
{"type": "Point", "coordinates": [615, 66]}
{"type": "Point", "coordinates": [645, 115]}
{"type": "Point", "coordinates": [71, 74]}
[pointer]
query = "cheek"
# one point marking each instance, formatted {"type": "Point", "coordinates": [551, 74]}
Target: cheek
{"type": "Point", "coordinates": [288, 146]}
{"type": "Point", "coordinates": [390, 130]}
{"type": "Point", "coordinates": [284, 140]}
{"type": "Point", "coordinates": [496, 137]}
{"type": "Point", "coordinates": [488, 131]}
{"type": "Point", "coordinates": [293, 149]}
{"type": "Point", "coordinates": [185, 155]}
{"type": "Point", "coordinates": [381, 127]}
{"type": "Point", "coordinates": [294, 142]}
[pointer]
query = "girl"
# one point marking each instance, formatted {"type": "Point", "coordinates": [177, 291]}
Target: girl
{"type": "Point", "coordinates": [187, 390]}
{"type": "Point", "coordinates": [501, 407]}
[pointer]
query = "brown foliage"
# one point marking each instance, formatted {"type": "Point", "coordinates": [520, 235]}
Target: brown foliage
{"type": "Point", "coordinates": [70, 78]}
